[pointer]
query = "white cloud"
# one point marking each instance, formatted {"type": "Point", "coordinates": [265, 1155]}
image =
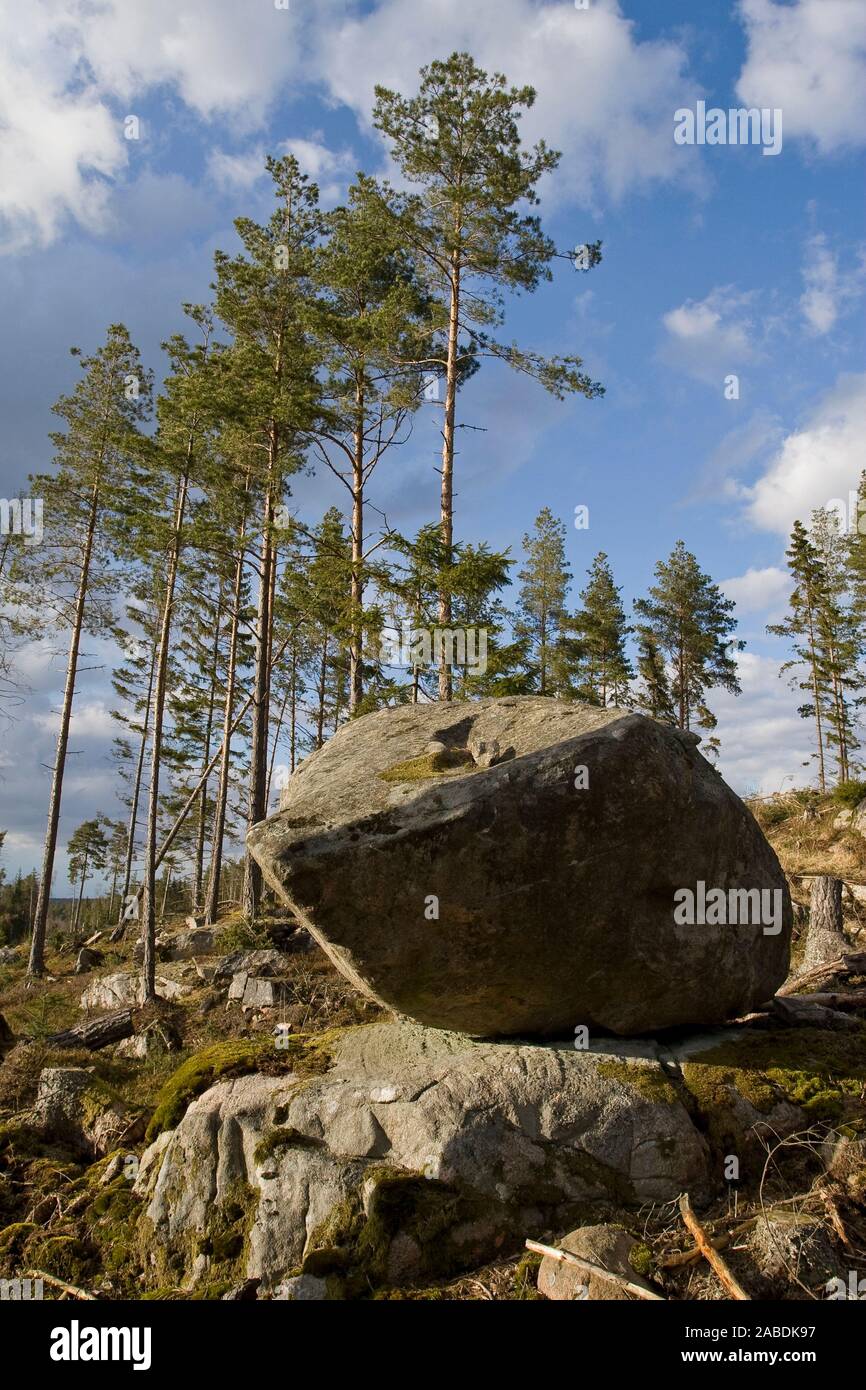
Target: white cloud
{"type": "Point", "coordinates": [606, 98]}
{"type": "Point", "coordinates": [232, 172]}
{"type": "Point", "coordinates": [763, 591]}
{"type": "Point", "coordinates": [711, 337]}
{"type": "Point", "coordinates": [829, 292]}
{"type": "Point", "coordinates": [89, 720]}
{"type": "Point", "coordinates": [765, 743]}
{"type": "Point", "coordinates": [71, 70]}
{"type": "Point", "coordinates": [809, 58]}
{"type": "Point", "coordinates": [819, 300]}
{"type": "Point", "coordinates": [814, 464]}
{"type": "Point", "coordinates": [331, 169]}
{"type": "Point", "coordinates": [59, 140]}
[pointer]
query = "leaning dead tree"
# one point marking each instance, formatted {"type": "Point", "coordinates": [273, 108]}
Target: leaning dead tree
{"type": "Point", "coordinates": [824, 938]}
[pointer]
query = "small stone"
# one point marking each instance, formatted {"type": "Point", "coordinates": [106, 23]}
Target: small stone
{"type": "Point", "coordinates": [605, 1246]}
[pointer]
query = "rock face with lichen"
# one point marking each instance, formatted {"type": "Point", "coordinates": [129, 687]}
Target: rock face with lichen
{"type": "Point", "coordinates": [389, 1153]}
{"type": "Point", "coordinates": [509, 868]}
{"type": "Point", "coordinates": [415, 1153]}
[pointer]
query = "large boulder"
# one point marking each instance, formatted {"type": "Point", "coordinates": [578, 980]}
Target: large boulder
{"type": "Point", "coordinates": [509, 868]}
{"type": "Point", "coordinates": [414, 1153]}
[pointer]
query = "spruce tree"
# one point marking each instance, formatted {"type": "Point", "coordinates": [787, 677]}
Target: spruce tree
{"type": "Point", "coordinates": [542, 620]}
{"type": "Point", "coordinates": [605, 670]}
{"type": "Point", "coordinates": [692, 623]}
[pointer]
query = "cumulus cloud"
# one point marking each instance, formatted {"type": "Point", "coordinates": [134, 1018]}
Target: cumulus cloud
{"type": "Point", "coordinates": [829, 292]}
{"type": "Point", "coordinates": [60, 140]}
{"type": "Point", "coordinates": [809, 58]}
{"type": "Point", "coordinates": [711, 337]}
{"type": "Point", "coordinates": [606, 98]}
{"type": "Point", "coordinates": [763, 591]}
{"type": "Point", "coordinates": [765, 743]}
{"type": "Point", "coordinates": [71, 71]}
{"type": "Point", "coordinates": [816, 463]}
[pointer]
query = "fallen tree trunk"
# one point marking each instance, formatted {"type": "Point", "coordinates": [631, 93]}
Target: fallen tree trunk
{"type": "Point", "coordinates": [849, 963]}
{"type": "Point", "coordinates": [96, 1032]}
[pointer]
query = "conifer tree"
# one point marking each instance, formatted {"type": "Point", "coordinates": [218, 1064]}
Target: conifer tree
{"type": "Point", "coordinates": [802, 628]}
{"type": "Point", "coordinates": [88, 851]}
{"type": "Point", "coordinates": [605, 670]}
{"type": "Point", "coordinates": [72, 572]}
{"type": "Point", "coordinates": [542, 621]}
{"type": "Point", "coordinates": [267, 299]}
{"type": "Point", "coordinates": [652, 694]}
{"type": "Point", "coordinates": [471, 227]}
{"type": "Point", "coordinates": [692, 623]}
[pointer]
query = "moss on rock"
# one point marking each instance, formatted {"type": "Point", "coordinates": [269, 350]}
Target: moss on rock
{"type": "Point", "coordinates": [820, 1072]}
{"type": "Point", "coordinates": [428, 765]}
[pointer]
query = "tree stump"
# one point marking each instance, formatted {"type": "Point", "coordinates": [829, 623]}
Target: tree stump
{"type": "Point", "coordinates": [824, 938]}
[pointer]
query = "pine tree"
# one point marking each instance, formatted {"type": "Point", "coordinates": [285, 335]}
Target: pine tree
{"type": "Point", "coordinates": [542, 621]}
{"type": "Point", "coordinates": [653, 692]}
{"type": "Point", "coordinates": [88, 851]}
{"type": "Point", "coordinates": [266, 298]}
{"type": "Point", "coordinates": [692, 623]}
{"type": "Point", "coordinates": [605, 670]}
{"type": "Point", "coordinates": [839, 643]}
{"type": "Point", "coordinates": [95, 455]}
{"type": "Point", "coordinates": [375, 318]}
{"type": "Point", "coordinates": [458, 143]}
{"type": "Point", "coordinates": [161, 538]}
{"type": "Point", "coordinates": [802, 627]}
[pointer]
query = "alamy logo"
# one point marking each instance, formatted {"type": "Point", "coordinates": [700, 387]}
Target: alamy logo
{"type": "Point", "coordinates": [714, 907]}
{"type": "Point", "coordinates": [21, 1289]}
{"type": "Point", "coordinates": [22, 516]}
{"type": "Point", "coordinates": [410, 646]}
{"type": "Point", "coordinates": [738, 126]}
{"type": "Point", "coordinates": [854, 1289]}
{"type": "Point", "coordinates": [77, 1343]}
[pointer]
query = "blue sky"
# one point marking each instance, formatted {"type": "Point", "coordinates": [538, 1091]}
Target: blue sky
{"type": "Point", "coordinates": [717, 260]}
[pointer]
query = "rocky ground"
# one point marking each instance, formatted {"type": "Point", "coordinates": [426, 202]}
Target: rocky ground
{"type": "Point", "coordinates": [265, 1131]}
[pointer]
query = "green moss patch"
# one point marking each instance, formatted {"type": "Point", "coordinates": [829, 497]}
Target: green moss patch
{"type": "Point", "coordinates": [305, 1055]}
{"type": "Point", "coordinates": [649, 1081]}
{"type": "Point", "coordinates": [428, 765]}
{"type": "Point", "coordinates": [821, 1072]}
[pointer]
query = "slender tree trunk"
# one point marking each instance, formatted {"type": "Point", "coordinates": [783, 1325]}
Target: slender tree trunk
{"type": "Point", "coordinates": [447, 491]}
{"type": "Point", "coordinates": [168, 869]}
{"type": "Point", "coordinates": [261, 688]}
{"type": "Point", "coordinates": [816, 696]}
{"type": "Point", "coordinates": [36, 964]}
{"type": "Point", "coordinates": [323, 672]}
{"type": "Point", "coordinates": [356, 668]}
{"type": "Point", "coordinates": [294, 713]}
{"type": "Point", "coordinates": [211, 907]}
{"type": "Point", "coordinates": [83, 880]}
{"type": "Point", "coordinates": [136, 787]}
{"type": "Point", "coordinates": [276, 742]}
{"type": "Point", "coordinates": [198, 870]}
{"type": "Point", "coordinates": [148, 911]}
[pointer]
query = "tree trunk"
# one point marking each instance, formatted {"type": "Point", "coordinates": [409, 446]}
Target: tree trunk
{"type": "Point", "coordinates": [356, 669]}
{"type": "Point", "coordinates": [261, 696]}
{"type": "Point", "coordinates": [211, 906]}
{"type": "Point", "coordinates": [96, 1032]}
{"type": "Point", "coordinates": [80, 894]}
{"type": "Point", "coordinates": [824, 939]}
{"type": "Point", "coordinates": [198, 871]}
{"type": "Point", "coordinates": [136, 788]}
{"type": "Point", "coordinates": [447, 491]}
{"type": "Point", "coordinates": [148, 911]}
{"type": "Point", "coordinates": [36, 963]}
